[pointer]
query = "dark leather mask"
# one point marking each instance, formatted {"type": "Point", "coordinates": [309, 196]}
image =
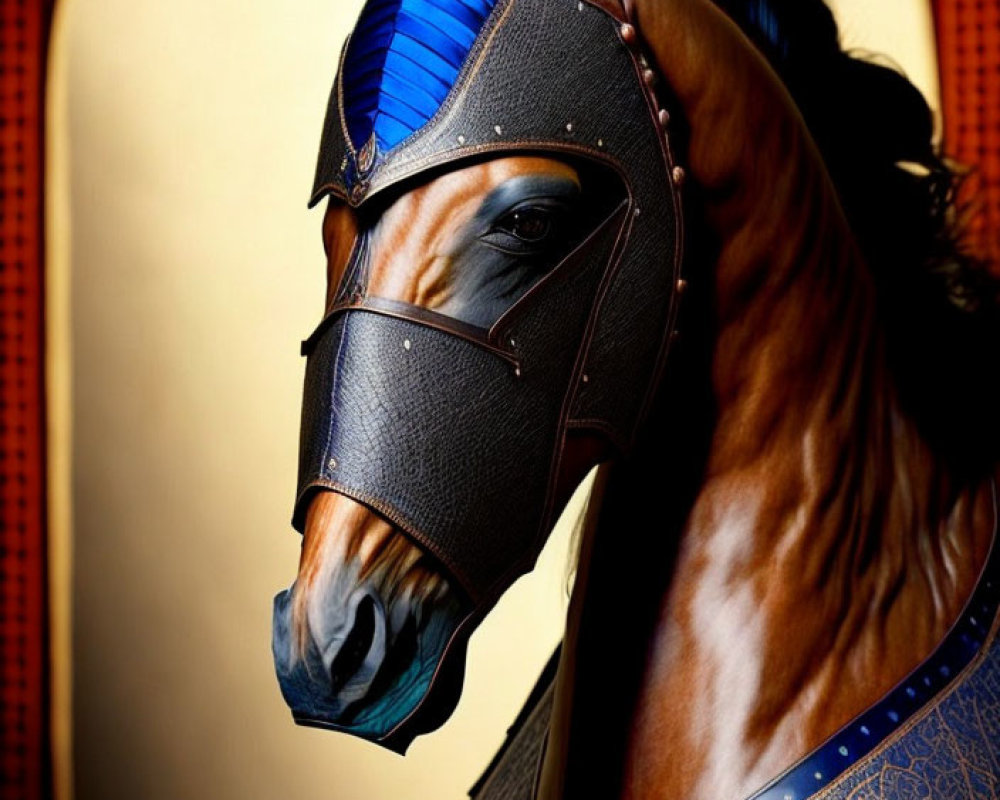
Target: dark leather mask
{"type": "Point", "coordinates": [452, 424]}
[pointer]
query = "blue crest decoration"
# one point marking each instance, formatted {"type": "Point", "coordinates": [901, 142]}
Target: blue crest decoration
{"type": "Point", "coordinates": [403, 59]}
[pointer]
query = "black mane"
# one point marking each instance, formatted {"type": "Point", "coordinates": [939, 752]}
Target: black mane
{"type": "Point", "coordinates": [940, 304]}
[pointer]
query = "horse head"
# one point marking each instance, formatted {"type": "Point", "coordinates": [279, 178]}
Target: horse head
{"type": "Point", "coordinates": [503, 243]}
{"type": "Point", "coordinates": [504, 250]}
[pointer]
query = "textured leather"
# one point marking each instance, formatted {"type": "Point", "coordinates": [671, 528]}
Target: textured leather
{"type": "Point", "coordinates": [952, 751]}
{"type": "Point", "coordinates": [551, 76]}
{"type": "Point", "coordinates": [443, 437]}
{"type": "Point", "coordinates": [454, 435]}
{"type": "Point", "coordinates": [511, 773]}
{"type": "Point", "coordinates": [554, 76]}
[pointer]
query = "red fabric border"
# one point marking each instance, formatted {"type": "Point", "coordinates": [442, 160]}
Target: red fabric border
{"type": "Point", "coordinates": [968, 34]}
{"type": "Point", "coordinates": [969, 52]}
{"type": "Point", "coordinates": [24, 690]}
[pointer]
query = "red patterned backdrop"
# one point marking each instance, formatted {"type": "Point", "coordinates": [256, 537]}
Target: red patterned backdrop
{"type": "Point", "coordinates": [969, 42]}
{"type": "Point", "coordinates": [24, 766]}
{"type": "Point", "coordinates": [968, 33]}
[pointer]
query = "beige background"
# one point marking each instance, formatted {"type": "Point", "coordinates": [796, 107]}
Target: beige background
{"type": "Point", "coordinates": [192, 130]}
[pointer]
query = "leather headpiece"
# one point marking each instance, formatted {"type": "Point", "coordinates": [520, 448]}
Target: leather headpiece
{"type": "Point", "coordinates": [454, 431]}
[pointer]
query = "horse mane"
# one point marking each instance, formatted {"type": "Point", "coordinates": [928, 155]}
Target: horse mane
{"type": "Point", "coordinates": [939, 308]}
{"type": "Point", "coordinates": [939, 303]}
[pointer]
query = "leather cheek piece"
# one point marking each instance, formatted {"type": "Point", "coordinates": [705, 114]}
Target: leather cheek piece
{"type": "Point", "coordinates": [543, 77]}
{"type": "Point", "coordinates": [445, 439]}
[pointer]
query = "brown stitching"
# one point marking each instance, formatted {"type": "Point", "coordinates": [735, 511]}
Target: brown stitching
{"type": "Point", "coordinates": [611, 272]}
{"type": "Point", "coordinates": [510, 317]}
{"type": "Point", "coordinates": [418, 315]}
{"type": "Point", "coordinates": [610, 7]}
{"type": "Point", "coordinates": [678, 256]}
{"type": "Point", "coordinates": [328, 189]}
{"type": "Point", "coordinates": [545, 521]}
{"type": "Point", "coordinates": [391, 177]}
{"type": "Point", "coordinates": [340, 99]}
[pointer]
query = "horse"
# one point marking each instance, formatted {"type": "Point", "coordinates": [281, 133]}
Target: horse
{"type": "Point", "coordinates": [809, 513]}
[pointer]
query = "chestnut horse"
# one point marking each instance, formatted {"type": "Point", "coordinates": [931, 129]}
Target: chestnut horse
{"type": "Point", "coordinates": [830, 452]}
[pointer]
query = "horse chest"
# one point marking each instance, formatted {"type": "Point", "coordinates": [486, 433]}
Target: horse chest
{"type": "Point", "coordinates": [936, 735]}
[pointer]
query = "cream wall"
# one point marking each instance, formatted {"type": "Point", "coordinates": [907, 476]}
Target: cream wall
{"type": "Point", "coordinates": [195, 270]}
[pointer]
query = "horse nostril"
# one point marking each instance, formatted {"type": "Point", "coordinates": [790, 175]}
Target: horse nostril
{"type": "Point", "coordinates": [351, 655]}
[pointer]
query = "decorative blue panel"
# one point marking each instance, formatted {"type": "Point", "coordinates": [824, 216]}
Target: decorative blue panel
{"type": "Point", "coordinates": [403, 59]}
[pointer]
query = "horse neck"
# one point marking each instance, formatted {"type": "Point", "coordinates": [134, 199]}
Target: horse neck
{"type": "Point", "coordinates": [817, 481]}
{"type": "Point", "coordinates": [827, 550]}
{"type": "Point", "coordinates": [793, 545]}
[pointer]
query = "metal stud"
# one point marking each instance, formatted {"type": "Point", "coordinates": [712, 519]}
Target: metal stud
{"type": "Point", "coordinates": [461, 139]}
{"type": "Point", "coordinates": [600, 143]}
{"type": "Point", "coordinates": [649, 77]}
{"type": "Point", "coordinates": [517, 372]}
{"type": "Point", "coordinates": [332, 463]}
{"type": "Point", "coordinates": [637, 212]}
{"type": "Point", "coordinates": [628, 34]}
{"type": "Point", "coordinates": [407, 344]}
{"type": "Point", "coordinates": [579, 6]}
{"type": "Point", "coordinates": [569, 127]}
{"type": "Point", "coordinates": [679, 175]}
{"type": "Point", "coordinates": [513, 342]}
{"type": "Point", "coordinates": [586, 379]}
{"type": "Point", "coordinates": [682, 285]}
{"type": "Point", "coordinates": [498, 130]}
{"type": "Point", "coordinates": [664, 117]}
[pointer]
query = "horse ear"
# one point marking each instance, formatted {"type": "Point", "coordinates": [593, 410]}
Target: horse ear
{"type": "Point", "coordinates": [616, 8]}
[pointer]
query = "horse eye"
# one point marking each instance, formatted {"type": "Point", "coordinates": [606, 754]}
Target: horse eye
{"type": "Point", "coordinates": [531, 225]}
